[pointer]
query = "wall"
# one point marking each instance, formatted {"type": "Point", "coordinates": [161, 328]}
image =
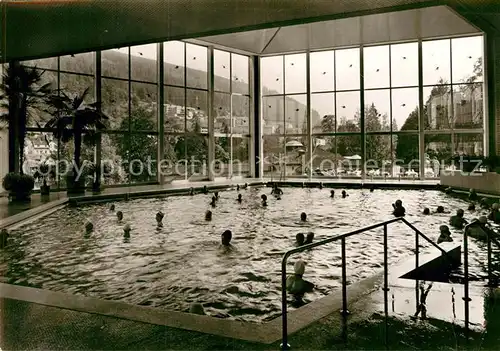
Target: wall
{"type": "Point", "coordinates": [482, 182]}
{"type": "Point", "coordinates": [4, 155]}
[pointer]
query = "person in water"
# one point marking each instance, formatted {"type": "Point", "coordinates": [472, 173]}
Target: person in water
{"type": "Point", "coordinates": [448, 190]}
{"type": "Point", "coordinates": [196, 308]}
{"type": "Point", "coordinates": [237, 187]}
{"type": "Point", "coordinates": [216, 195]}
{"type": "Point", "coordinates": [213, 202]}
{"type": "Point", "coordinates": [296, 285]}
{"type": "Point", "coordinates": [458, 220]}
{"type": "Point", "coordinates": [427, 211]}
{"type": "Point", "coordinates": [479, 229]}
{"type": "Point", "coordinates": [112, 207]}
{"type": "Point", "coordinates": [472, 195]}
{"type": "Point", "coordinates": [471, 207]}
{"type": "Point", "coordinates": [208, 215]}
{"type": "Point", "coordinates": [89, 227]}
{"type": "Point", "coordinates": [303, 217]}
{"type": "Point", "coordinates": [245, 186]}
{"type": "Point", "coordinates": [191, 191]}
{"type": "Point", "coordinates": [276, 190]}
{"type": "Point", "coordinates": [332, 193]}
{"type": "Point", "coordinates": [372, 188]}
{"type": "Point", "coordinates": [264, 200]}
{"type": "Point", "coordinates": [126, 231]}
{"type": "Point", "coordinates": [484, 203]}
{"type": "Point", "coordinates": [344, 194]}
{"type": "Point", "coordinates": [494, 214]}
{"type": "Point", "coordinates": [309, 238]}
{"type": "Point", "coordinates": [399, 210]}
{"type": "Point", "coordinates": [4, 238]}
{"type": "Point", "coordinates": [445, 235]}
{"type": "Point", "coordinates": [119, 215]}
{"type": "Point", "coordinates": [239, 199]}
{"type": "Point", "coordinates": [320, 185]}
{"type": "Point", "coordinates": [440, 209]}
{"type": "Point", "coordinates": [226, 238]}
{"type": "Point", "coordinates": [159, 218]}
{"type": "Point", "coordinates": [300, 239]}
{"type": "Point", "coordinates": [205, 190]}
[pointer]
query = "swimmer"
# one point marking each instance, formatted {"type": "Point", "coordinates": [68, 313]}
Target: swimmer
{"type": "Point", "coordinates": [126, 231]}
{"type": "Point", "coordinates": [426, 211]}
{"type": "Point", "coordinates": [479, 229]}
{"type": "Point", "coordinates": [299, 239]}
{"type": "Point", "coordinates": [191, 191]}
{"type": "Point", "coordinates": [237, 187]}
{"type": "Point", "coordinates": [239, 199]}
{"type": "Point", "coordinates": [484, 203]}
{"type": "Point", "coordinates": [399, 210]}
{"type": "Point", "coordinates": [216, 195]}
{"type": "Point", "coordinates": [276, 190]}
{"type": "Point", "coordinates": [205, 190]}
{"type": "Point", "coordinates": [309, 238]}
{"type": "Point", "coordinates": [321, 185]}
{"type": "Point", "coordinates": [445, 235]}
{"type": "Point", "coordinates": [213, 202]}
{"type": "Point", "coordinates": [245, 186]}
{"type": "Point", "coordinates": [494, 215]}
{"type": "Point", "coordinates": [303, 217]}
{"type": "Point", "coordinates": [112, 207]}
{"type": "Point", "coordinates": [119, 215]}
{"type": "Point", "coordinates": [4, 237]}
{"type": "Point", "coordinates": [196, 308]}
{"type": "Point", "coordinates": [264, 199]}
{"type": "Point", "coordinates": [344, 194]}
{"type": "Point", "coordinates": [226, 238]}
{"type": "Point", "coordinates": [89, 227]}
{"type": "Point", "coordinates": [208, 216]}
{"type": "Point", "coordinates": [295, 284]}
{"type": "Point", "coordinates": [303, 184]}
{"type": "Point", "coordinates": [372, 188]}
{"type": "Point", "coordinates": [159, 218]}
{"type": "Point", "coordinates": [472, 195]}
{"type": "Point", "coordinates": [332, 193]}
{"type": "Point", "coordinates": [448, 190]}
{"type": "Point", "coordinates": [471, 207]}
{"type": "Point", "coordinates": [458, 220]}
{"type": "Point", "coordinates": [440, 209]}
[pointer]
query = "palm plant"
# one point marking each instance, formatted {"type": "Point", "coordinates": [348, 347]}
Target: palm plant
{"type": "Point", "coordinates": [73, 120]}
{"type": "Point", "coordinates": [21, 96]}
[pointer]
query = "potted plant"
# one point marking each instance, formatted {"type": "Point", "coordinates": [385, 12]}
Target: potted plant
{"type": "Point", "coordinates": [19, 186]}
{"type": "Point", "coordinates": [73, 120]}
{"type": "Point", "coordinates": [43, 173]}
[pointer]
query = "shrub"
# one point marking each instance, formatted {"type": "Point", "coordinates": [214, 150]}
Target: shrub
{"type": "Point", "coordinates": [18, 183]}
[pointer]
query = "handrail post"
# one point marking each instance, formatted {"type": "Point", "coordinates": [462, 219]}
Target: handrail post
{"type": "Point", "coordinates": [417, 250]}
{"type": "Point", "coordinates": [490, 280]}
{"type": "Point", "coordinates": [284, 344]}
{"type": "Point", "coordinates": [386, 289]}
{"type": "Point", "coordinates": [466, 285]}
{"type": "Point", "coordinates": [344, 311]}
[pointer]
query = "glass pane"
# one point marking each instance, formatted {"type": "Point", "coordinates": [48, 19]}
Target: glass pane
{"type": "Point", "coordinates": [241, 156]}
{"type": "Point", "coordinates": [39, 149]}
{"type": "Point", "coordinates": [404, 65]}
{"type": "Point", "coordinates": [174, 109]}
{"type": "Point", "coordinates": [114, 158]}
{"type": "Point", "coordinates": [197, 66]}
{"type": "Point", "coordinates": [467, 55]}
{"type": "Point", "coordinates": [470, 144]}
{"type": "Point", "coordinates": [436, 62]}
{"type": "Point", "coordinates": [376, 66]}
{"type": "Point", "coordinates": [115, 63]}
{"type": "Point", "coordinates": [222, 118]}
{"type": "Point", "coordinates": [115, 103]}
{"type": "Point", "coordinates": [143, 107]}
{"type": "Point", "coordinates": [348, 108]}
{"type": "Point", "coordinates": [222, 70]}
{"type": "Point", "coordinates": [274, 153]}
{"type": "Point", "coordinates": [66, 156]}
{"type": "Point", "coordinates": [196, 111]}
{"type": "Point", "coordinates": [142, 156]}
{"type": "Point", "coordinates": [78, 63]}
{"type": "Point", "coordinates": [349, 152]}
{"type": "Point", "coordinates": [196, 152]}
{"type": "Point", "coordinates": [323, 113]}
{"type": "Point", "coordinates": [347, 71]}
{"type": "Point", "coordinates": [378, 155]}
{"type": "Point", "coordinates": [143, 63]}
{"type": "Point", "coordinates": [173, 166]}
{"type": "Point", "coordinates": [46, 63]}
{"type": "Point", "coordinates": [222, 156]}
{"type": "Point", "coordinates": [241, 115]}
{"type": "Point", "coordinates": [240, 74]}
{"type": "Point", "coordinates": [406, 152]}
{"type": "Point", "coordinates": [296, 156]}
{"type": "Point", "coordinates": [322, 71]}
{"type": "Point", "coordinates": [295, 73]}
{"type": "Point", "coordinates": [405, 109]}
{"type": "Point", "coordinates": [324, 158]}
{"type": "Point", "coordinates": [74, 84]}
{"type": "Point", "coordinates": [273, 115]}
{"type": "Point", "coordinates": [377, 110]}
{"type": "Point", "coordinates": [468, 106]}
{"type": "Point", "coordinates": [39, 115]}
{"type": "Point", "coordinates": [296, 114]}
{"type": "Point", "coordinates": [272, 75]}
{"type": "Point", "coordinates": [437, 113]}
{"type": "Point", "coordinates": [438, 152]}
{"type": "Point", "coordinates": [173, 58]}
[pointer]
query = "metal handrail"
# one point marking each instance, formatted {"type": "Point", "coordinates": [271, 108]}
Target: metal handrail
{"type": "Point", "coordinates": [342, 237]}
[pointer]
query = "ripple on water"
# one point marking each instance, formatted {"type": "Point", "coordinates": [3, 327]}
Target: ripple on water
{"type": "Point", "coordinates": [181, 262]}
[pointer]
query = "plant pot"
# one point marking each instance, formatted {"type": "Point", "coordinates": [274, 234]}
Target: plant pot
{"type": "Point", "coordinates": [96, 187]}
{"type": "Point", "coordinates": [45, 190]}
{"type": "Point", "coordinates": [20, 196]}
{"type": "Point", "coordinates": [74, 187]}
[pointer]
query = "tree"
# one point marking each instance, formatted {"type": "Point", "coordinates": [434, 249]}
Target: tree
{"type": "Point", "coordinates": [22, 95]}
{"type": "Point", "coordinates": [222, 145]}
{"type": "Point", "coordinates": [407, 144]}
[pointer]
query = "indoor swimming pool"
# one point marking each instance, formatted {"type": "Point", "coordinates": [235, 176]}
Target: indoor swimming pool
{"type": "Point", "coordinates": [182, 262]}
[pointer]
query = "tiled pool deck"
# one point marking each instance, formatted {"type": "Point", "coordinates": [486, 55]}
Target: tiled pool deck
{"type": "Point", "coordinates": [40, 319]}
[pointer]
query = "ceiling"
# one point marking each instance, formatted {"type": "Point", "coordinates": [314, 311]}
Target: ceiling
{"type": "Point", "coordinates": [35, 29]}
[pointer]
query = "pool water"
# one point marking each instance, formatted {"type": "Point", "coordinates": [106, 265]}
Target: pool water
{"type": "Point", "coordinates": [183, 262]}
